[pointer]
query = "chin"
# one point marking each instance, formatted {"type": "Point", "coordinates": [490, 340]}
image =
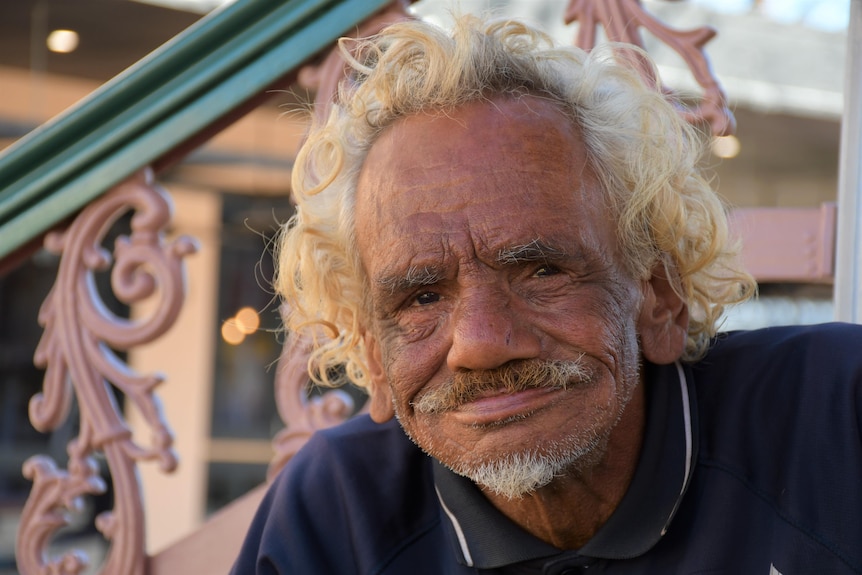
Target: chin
{"type": "Point", "coordinates": [518, 474]}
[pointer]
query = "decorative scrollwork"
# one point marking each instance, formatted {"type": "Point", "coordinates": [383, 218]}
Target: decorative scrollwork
{"type": "Point", "coordinates": [76, 351]}
{"type": "Point", "coordinates": [302, 415]}
{"type": "Point", "coordinates": [621, 20]}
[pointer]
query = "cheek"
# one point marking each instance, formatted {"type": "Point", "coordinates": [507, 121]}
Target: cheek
{"type": "Point", "coordinates": [620, 309]}
{"type": "Point", "coordinates": [601, 323]}
{"type": "Point", "coordinates": [622, 313]}
{"type": "Point", "coordinates": [411, 365]}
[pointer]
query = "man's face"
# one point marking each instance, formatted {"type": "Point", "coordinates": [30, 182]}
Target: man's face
{"type": "Point", "coordinates": [488, 244]}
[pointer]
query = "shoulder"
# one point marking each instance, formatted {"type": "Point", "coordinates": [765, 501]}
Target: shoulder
{"type": "Point", "coordinates": [374, 462]}
{"type": "Point", "coordinates": [360, 445]}
{"type": "Point", "coordinates": [779, 413]}
{"type": "Point", "coordinates": [798, 375]}
{"type": "Point", "coordinates": [790, 353]}
{"type": "Point", "coordinates": [779, 395]}
{"type": "Point", "coordinates": [345, 502]}
{"type": "Point", "coordinates": [778, 337]}
{"type": "Point", "coordinates": [355, 468]}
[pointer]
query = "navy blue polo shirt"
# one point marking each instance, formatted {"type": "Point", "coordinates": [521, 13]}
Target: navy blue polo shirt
{"type": "Point", "coordinates": [751, 464]}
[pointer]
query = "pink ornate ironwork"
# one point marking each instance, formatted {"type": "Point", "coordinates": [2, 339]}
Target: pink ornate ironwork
{"type": "Point", "coordinates": [622, 19]}
{"type": "Point", "coordinates": [302, 415]}
{"type": "Point", "coordinates": [76, 350]}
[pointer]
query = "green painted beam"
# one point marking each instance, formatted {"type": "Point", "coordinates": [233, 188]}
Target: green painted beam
{"type": "Point", "coordinates": [203, 74]}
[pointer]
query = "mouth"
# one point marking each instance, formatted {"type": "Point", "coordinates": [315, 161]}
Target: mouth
{"type": "Point", "coordinates": [500, 407]}
{"type": "Point", "coordinates": [510, 392]}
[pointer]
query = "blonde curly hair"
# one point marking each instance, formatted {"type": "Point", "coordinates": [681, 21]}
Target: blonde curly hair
{"type": "Point", "coordinates": [645, 154]}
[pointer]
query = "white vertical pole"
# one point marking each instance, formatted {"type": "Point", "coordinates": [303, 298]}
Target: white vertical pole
{"type": "Point", "coordinates": [848, 255]}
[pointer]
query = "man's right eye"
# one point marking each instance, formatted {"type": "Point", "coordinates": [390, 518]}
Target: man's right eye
{"type": "Point", "coordinates": [428, 297]}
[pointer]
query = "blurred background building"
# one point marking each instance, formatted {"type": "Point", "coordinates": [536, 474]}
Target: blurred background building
{"type": "Point", "coordinates": [781, 63]}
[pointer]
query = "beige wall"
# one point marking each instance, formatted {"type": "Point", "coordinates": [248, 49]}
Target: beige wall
{"type": "Point", "coordinates": [175, 502]}
{"type": "Point", "coordinates": [35, 97]}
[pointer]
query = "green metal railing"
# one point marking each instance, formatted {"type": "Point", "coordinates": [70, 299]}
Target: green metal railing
{"type": "Point", "coordinates": [170, 98]}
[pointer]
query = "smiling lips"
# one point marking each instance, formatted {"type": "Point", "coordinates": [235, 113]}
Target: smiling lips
{"type": "Point", "coordinates": [512, 390]}
{"type": "Point", "coordinates": [503, 406]}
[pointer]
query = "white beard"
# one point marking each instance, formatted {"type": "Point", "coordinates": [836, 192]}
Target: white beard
{"type": "Point", "coordinates": [518, 474]}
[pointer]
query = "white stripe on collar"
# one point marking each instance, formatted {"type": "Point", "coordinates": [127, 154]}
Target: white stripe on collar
{"type": "Point", "coordinates": [686, 415]}
{"type": "Point", "coordinates": [468, 558]}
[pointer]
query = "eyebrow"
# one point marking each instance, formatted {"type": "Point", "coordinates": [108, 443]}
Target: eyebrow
{"type": "Point", "coordinates": [535, 251]}
{"type": "Point", "coordinates": [415, 277]}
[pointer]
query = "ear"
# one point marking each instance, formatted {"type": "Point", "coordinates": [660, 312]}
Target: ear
{"type": "Point", "coordinates": [380, 402]}
{"type": "Point", "coordinates": [663, 321]}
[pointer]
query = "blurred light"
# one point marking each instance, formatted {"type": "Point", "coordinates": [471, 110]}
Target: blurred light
{"type": "Point", "coordinates": [231, 333]}
{"type": "Point", "coordinates": [726, 146]}
{"type": "Point", "coordinates": [247, 320]}
{"type": "Point", "coordinates": [62, 41]}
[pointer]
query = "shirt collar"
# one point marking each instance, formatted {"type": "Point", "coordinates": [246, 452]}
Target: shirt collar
{"type": "Point", "coordinates": [486, 539]}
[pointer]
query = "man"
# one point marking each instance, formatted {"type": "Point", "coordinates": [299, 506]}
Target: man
{"type": "Point", "coordinates": [510, 245]}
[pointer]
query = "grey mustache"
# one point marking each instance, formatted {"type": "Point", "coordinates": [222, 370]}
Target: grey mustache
{"type": "Point", "coordinates": [512, 377]}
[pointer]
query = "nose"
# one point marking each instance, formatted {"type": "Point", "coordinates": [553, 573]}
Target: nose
{"type": "Point", "coordinates": [487, 332]}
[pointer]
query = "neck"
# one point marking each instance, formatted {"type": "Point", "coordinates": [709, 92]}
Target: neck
{"type": "Point", "coordinates": [568, 511]}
